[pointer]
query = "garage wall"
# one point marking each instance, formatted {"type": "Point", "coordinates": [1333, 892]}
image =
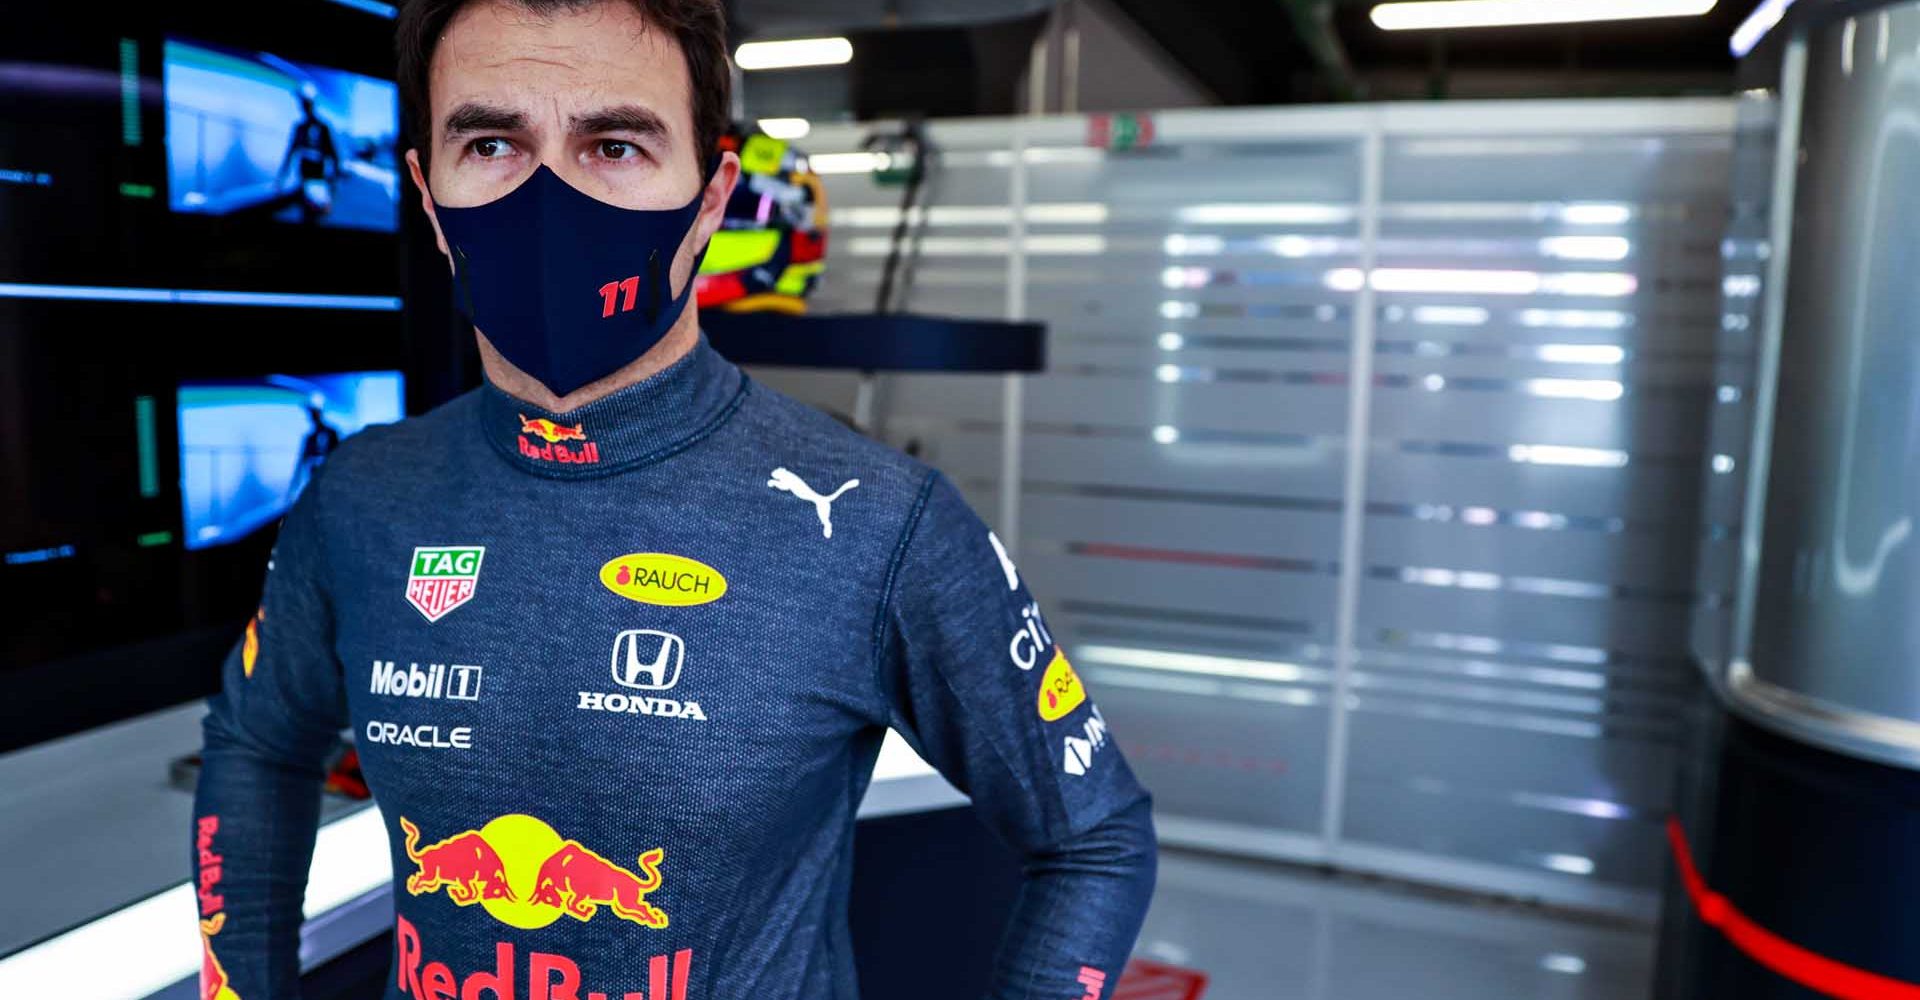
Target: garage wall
{"type": "Point", "coordinates": [1393, 572]}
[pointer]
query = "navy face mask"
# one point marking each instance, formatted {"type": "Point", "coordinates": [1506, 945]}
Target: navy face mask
{"type": "Point", "coordinates": [566, 286]}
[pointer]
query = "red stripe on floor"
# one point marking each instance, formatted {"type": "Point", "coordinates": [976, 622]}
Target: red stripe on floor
{"type": "Point", "coordinates": [1147, 980]}
{"type": "Point", "coordinates": [1816, 972]}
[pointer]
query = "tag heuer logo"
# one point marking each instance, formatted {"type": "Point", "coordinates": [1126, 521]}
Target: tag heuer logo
{"type": "Point", "coordinates": [443, 578]}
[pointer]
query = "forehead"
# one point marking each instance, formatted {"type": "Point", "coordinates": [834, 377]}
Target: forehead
{"type": "Point", "coordinates": [602, 55]}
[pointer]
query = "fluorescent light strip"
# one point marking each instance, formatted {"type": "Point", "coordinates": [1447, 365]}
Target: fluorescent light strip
{"type": "Point", "coordinates": [984, 246]}
{"type": "Point", "coordinates": [887, 216]}
{"type": "Point", "coordinates": [1198, 663]}
{"type": "Point", "coordinates": [1265, 213]}
{"type": "Point", "coordinates": [1552, 454]}
{"type": "Point", "coordinates": [374, 7]}
{"type": "Point", "coordinates": [786, 128]}
{"type": "Point", "coordinates": [1586, 247]}
{"type": "Point", "coordinates": [1434, 14]}
{"type": "Point", "coordinates": [1755, 27]}
{"type": "Point", "coordinates": [152, 941]}
{"type": "Point", "coordinates": [793, 53]}
{"type": "Point", "coordinates": [1463, 281]}
{"type": "Point", "coordinates": [204, 297]}
{"type": "Point", "coordinates": [849, 163]}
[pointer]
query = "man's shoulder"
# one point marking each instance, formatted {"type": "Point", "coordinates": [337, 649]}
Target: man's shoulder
{"type": "Point", "coordinates": [414, 445]}
{"type": "Point", "coordinates": [791, 433]}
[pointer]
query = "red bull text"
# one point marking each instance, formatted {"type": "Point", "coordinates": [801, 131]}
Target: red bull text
{"type": "Point", "coordinates": [549, 976]}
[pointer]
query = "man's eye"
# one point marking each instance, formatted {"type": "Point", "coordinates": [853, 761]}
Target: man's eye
{"type": "Point", "coordinates": [491, 149]}
{"type": "Point", "coordinates": [615, 149]}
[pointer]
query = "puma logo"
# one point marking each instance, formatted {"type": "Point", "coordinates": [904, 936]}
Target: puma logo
{"type": "Point", "coordinates": [822, 505]}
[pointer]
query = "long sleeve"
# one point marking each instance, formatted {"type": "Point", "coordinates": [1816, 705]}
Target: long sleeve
{"type": "Point", "coordinates": [977, 684]}
{"type": "Point", "coordinates": [266, 734]}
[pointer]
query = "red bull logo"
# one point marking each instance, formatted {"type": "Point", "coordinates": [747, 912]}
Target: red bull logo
{"type": "Point", "coordinates": [554, 450]}
{"type": "Point", "coordinates": [525, 875]}
{"type": "Point", "coordinates": [550, 432]}
{"type": "Point", "coordinates": [214, 984]}
{"type": "Point", "coordinates": [549, 976]}
{"type": "Point", "coordinates": [209, 867]}
{"type": "Point", "coordinates": [464, 864]}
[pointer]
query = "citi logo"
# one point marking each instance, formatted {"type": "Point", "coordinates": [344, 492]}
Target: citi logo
{"type": "Point", "coordinates": [1080, 749]}
{"type": "Point", "coordinates": [648, 660]}
{"type": "Point", "coordinates": [458, 681]}
{"type": "Point", "coordinates": [1025, 646]}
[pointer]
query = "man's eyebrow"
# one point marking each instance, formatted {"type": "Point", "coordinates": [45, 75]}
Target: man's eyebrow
{"type": "Point", "coordinates": [470, 118]}
{"type": "Point", "coordinates": [625, 118]}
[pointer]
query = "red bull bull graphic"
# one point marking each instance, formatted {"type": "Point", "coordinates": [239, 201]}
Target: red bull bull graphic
{"type": "Point", "coordinates": [579, 881]}
{"type": "Point", "coordinates": [214, 984]}
{"type": "Point", "coordinates": [525, 875]}
{"type": "Point", "coordinates": [250, 645]}
{"type": "Point", "coordinates": [551, 432]}
{"type": "Point", "coordinates": [549, 976]}
{"type": "Point", "coordinates": [554, 450]}
{"type": "Point", "coordinates": [465, 864]}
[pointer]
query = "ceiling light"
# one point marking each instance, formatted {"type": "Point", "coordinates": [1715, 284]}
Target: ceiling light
{"type": "Point", "coordinates": [1425, 14]}
{"type": "Point", "coordinates": [1755, 27]}
{"type": "Point", "coordinates": [786, 128]}
{"type": "Point", "coordinates": [793, 52]}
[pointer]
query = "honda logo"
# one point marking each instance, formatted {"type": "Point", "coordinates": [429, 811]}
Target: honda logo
{"type": "Point", "coordinates": [646, 659]}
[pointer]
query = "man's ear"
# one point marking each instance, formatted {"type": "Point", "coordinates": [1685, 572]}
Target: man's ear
{"type": "Point", "coordinates": [713, 200]}
{"type": "Point", "coordinates": [426, 203]}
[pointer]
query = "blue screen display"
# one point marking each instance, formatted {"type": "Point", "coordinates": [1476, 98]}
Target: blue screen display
{"type": "Point", "coordinates": [248, 446]}
{"type": "Point", "coordinates": [252, 134]}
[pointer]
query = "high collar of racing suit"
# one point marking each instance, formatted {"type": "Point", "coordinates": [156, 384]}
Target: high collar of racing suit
{"type": "Point", "coordinates": [645, 422]}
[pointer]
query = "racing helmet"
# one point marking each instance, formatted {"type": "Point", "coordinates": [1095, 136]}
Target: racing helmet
{"type": "Point", "coordinates": [770, 249]}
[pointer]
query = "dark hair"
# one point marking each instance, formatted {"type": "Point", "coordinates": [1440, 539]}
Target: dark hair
{"type": "Point", "coordinates": [698, 26]}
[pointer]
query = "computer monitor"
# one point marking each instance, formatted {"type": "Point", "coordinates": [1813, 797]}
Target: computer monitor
{"type": "Point", "coordinates": [254, 134]}
{"type": "Point", "coordinates": [249, 446]}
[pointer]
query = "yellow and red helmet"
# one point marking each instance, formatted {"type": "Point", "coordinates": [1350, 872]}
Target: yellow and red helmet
{"type": "Point", "coordinates": [771, 246]}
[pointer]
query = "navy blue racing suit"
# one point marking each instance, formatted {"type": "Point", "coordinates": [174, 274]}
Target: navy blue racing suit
{"type": "Point", "coordinates": [618, 678]}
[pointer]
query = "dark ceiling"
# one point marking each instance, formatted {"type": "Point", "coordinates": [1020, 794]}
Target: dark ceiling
{"type": "Point", "coordinates": [966, 57]}
{"type": "Point", "coordinates": [1253, 52]}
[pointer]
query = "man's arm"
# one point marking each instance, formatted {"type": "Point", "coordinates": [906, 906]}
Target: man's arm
{"type": "Point", "coordinates": [977, 684]}
{"type": "Point", "coordinates": [266, 735]}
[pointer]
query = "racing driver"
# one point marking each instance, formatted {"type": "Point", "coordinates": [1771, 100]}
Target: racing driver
{"type": "Point", "coordinates": [619, 632]}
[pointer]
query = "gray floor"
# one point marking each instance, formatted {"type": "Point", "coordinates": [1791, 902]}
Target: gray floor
{"type": "Point", "coordinates": [1271, 932]}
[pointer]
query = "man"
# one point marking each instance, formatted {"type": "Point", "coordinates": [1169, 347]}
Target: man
{"type": "Point", "coordinates": [310, 147]}
{"type": "Point", "coordinates": [619, 632]}
{"type": "Point", "coordinates": [319, 442]}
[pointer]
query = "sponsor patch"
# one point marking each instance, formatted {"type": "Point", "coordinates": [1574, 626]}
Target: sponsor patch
{"type": "Point", "coordinates": [443, 577]}
{"type": "Point", "coordinates": [663, 578]}
{"type": "Point", "coordinates": [1060, 689]}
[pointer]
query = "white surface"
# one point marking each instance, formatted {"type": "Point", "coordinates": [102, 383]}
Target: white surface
{"type": "Point", "coordinates": [122, 767]}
